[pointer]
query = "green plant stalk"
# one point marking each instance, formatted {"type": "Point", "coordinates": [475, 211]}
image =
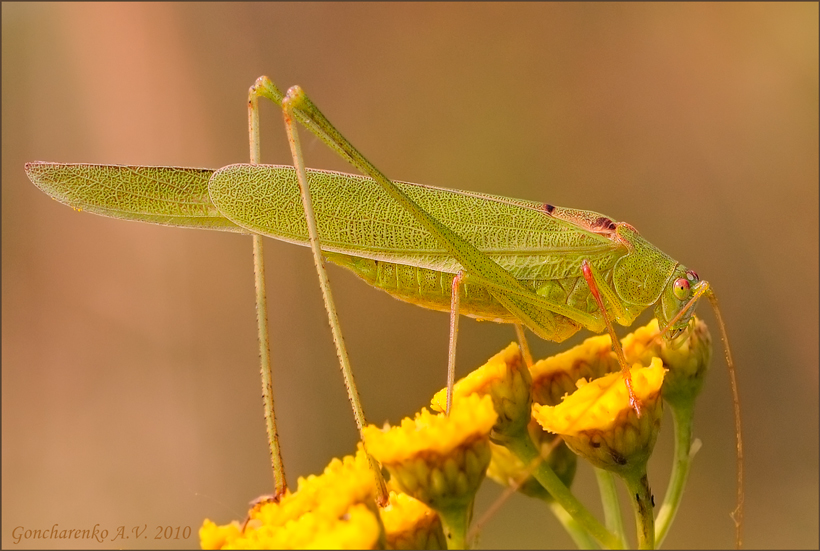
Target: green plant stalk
{"type": "Point", "coordinates": [609, 499]}
{"type": "Point", "coordinates": [521, 445]}
{"type": "Point", "coordinates": [455, 521]}
{"type": "Point", "coordinates": [682, 414]}
{"type": "Point", "coordinates": [580, 536]}
{"type": "Point", "coordinates": [640, 496]}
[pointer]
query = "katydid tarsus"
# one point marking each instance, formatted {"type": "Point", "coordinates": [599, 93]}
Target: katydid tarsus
{"type": "Point", "coordinates": [553, 270]}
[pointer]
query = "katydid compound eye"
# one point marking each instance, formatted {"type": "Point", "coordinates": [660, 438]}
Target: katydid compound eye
{"type": "Point", "coordinates": [681, 289]}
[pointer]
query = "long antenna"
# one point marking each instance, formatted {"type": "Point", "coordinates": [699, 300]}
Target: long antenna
{"type": "Point", "coordinates": [737, 515]}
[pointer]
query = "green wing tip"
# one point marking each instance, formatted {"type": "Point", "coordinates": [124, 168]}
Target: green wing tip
{"type": "Point", "coordinates": [39, 174]}
{"type": "Point", "coordinates": [33, 174]}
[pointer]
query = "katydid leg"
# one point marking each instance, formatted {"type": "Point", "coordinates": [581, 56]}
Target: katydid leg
{"type": "Point", "coordinates": [341, 350]}
{"type": "Point", "coordinates": [455, 300]}
{"type": "Point", "coordinates": [279, 483]}
{"type": "Point", "coordinates": [525, 346]}
{"type": "Point", "coordinates": [586, 269]}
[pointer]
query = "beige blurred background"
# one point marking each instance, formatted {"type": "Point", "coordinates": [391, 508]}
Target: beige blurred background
{"type": "Point", "coordinates": [130, 389]}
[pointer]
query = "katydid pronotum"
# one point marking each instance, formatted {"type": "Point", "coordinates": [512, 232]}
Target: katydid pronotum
{"type": "Point", "coordinates": [550, 269]}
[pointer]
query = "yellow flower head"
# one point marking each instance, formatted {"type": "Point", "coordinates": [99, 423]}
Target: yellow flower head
{"type": "Point", "coordinates": [687, 357]}
{"type": "Point", "coordinates": [212, 536]}
{"type": "Point", "coordinates": [598, 423]}
{"type": "Point", "coordinates": [556, 376]}
{"type": "Point", "coordinates": [344, 482]}
{"type": "Point", "coordinates": [506, 380]}
{"type": "Point", "coordinates": [332, 510]}
{"type": "Point", "coordinates": [437, 459]}
{"type": "Point", "coordinates": [410, 524]}
{"type": "Point", "coordinates": [358, 528]}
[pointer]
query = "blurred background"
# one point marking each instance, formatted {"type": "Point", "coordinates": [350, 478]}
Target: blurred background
{"type": "Point", "coordinates": [130, 387]}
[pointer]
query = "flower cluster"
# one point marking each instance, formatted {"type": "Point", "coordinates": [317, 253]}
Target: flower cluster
{"type": "Point", "coordinates": [523, 427]}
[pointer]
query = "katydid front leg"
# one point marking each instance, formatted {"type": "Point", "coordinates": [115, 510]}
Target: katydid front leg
{"type": "Point", "coordinates": [589, 276]}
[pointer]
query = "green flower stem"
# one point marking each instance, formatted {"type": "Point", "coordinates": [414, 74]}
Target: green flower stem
{"type": "Point", "coordinates": [521, 445]}
{"type": "Point", "coordinates": [682, 414]}
{"type": "Point", "coordinates": [580, 536]}
{"type": "Point", "coordinates": [609, 499]}
{"type": "Point", "coordinates": [641, 497]}
{"type": "Point", "coordinates": [455, 520]}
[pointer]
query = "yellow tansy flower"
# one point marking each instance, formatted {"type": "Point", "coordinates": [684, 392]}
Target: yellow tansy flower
{"type": "Point", "coordinates": [333, 510]}
{"type": "Point", "coordinates": [440, 460]}
{"type": "Point", "coordinates": [410, 524]}
{"type": "Point", "coordinates": [472, 418]}
{"type": "Point", "coordinates": [344, 482]}
{"type": "Point", "coordinates": [598, 423]}
{"type": "Point", "coordinates": [506, 380]}
{"type": "Point", "coordinates": [555, 377]}
{"type": "Point", "coordinates": [212, 536]}
{"type": "Point", "coordinates": [687, 357]}
{"type": "Point", "coordinates": [358, 528]}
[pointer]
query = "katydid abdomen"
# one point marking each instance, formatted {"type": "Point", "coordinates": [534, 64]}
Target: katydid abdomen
{"type": "Point", "coordinates": [431, 289]}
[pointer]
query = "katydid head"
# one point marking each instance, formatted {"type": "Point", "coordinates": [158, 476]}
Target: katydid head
{"type": "Point", "coordinates": [678, 300]}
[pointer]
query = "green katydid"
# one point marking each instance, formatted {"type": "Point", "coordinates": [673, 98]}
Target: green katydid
{"type": "Point", "coordinates": [553, 270]}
